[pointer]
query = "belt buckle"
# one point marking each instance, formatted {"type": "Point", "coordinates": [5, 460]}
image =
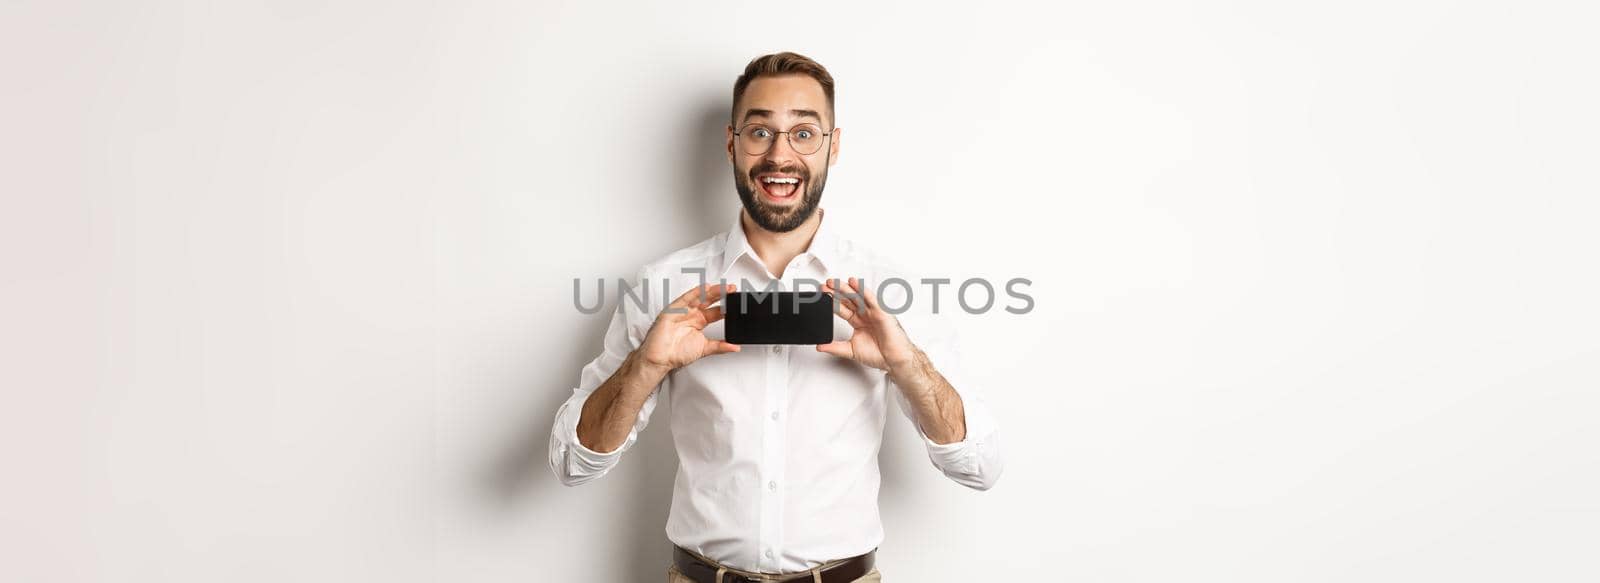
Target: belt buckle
{"type": "Point", "coordinates": [741, 578]}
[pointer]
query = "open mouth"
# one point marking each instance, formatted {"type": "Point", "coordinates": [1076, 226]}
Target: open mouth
{"type": "Point", "coordinates": [779, 188]}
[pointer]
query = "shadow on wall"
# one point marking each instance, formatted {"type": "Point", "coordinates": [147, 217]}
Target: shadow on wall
{"type": "Point", "coordinates": [710, 205]}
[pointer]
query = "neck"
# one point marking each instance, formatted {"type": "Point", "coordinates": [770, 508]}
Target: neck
{"type": "Point", "coordinates": [778, 249]}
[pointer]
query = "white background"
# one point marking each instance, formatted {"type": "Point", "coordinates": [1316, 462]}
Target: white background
{"type": "Point", "coordinates": [287, 285]}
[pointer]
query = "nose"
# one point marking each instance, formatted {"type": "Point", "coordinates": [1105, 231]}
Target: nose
{"type": "Point", "coordinates": [781, 150]}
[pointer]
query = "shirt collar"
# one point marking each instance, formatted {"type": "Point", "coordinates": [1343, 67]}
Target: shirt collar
{"type": "Point", "coordinates": [824, 243]}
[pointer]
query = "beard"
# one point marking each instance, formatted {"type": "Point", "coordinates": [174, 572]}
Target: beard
{"type": "Point", "coordinates": [780, 219]}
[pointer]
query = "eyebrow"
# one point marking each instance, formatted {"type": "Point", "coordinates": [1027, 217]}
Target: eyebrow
{"type": "Point", "coordinates": [794, 112]}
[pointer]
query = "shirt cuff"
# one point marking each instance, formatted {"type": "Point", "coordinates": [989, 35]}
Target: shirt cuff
{"type": "Point", "coordinates": [961, 457]}
{"type": "Point", "coordinates": [582, 461]}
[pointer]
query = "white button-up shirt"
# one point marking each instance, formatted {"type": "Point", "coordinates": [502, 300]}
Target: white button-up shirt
{"type": "Point", "coordinates": [777, 445]}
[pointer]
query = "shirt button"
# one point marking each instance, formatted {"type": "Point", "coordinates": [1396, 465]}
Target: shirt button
{"type": "Point", "coordinates": [769, 553]}
{"type": "Point", "coordinates": [774, 415]}
{"type": "Point", "coordinates": [777, 349]}
{"type": "Point", "coordinates": [772, 486]}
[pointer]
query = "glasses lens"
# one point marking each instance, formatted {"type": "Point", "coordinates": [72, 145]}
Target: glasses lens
{"type": "Point", "coordinates": [806, 139]}
{"type": "Point", "coordinates": [756, 139]}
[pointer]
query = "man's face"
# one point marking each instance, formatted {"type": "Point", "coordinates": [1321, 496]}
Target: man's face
{"type": "Point", "coordinates": [782, 187]}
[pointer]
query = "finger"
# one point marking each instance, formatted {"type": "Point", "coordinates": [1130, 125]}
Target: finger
{"type": "Point", "coordinates": [720, 347]}
{"type": "Point", "coordinates": [857, 299]}
{"type": "Point", "coordinates": [866, 292]}
{"type": "Point", "coordinates": [846, 299]}
{"type": "Point", "coordinates": [855, 291]}
{"type": "Point", "coordinates": [869, 304]}
{"type": "Point", "coordinates": [839, 305]}
{"type": "Point", "coordinates": [682, 301]}
{"type": "Point", "coordinates": [711, 314]}
{"type": "Point", "coordinates": [713, 294]}
{"type": "Point", "coordinates": [849, 314]}
{"type": "Point", "coordinates": [700, 295]}
{"type": "Point", "coordinates": [832, 284]}
{"type": "Point", "coordinates": [837, 348]}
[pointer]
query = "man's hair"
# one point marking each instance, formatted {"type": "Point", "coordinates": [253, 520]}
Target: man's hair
{"type": "Point", "coordinates": [784, 63]}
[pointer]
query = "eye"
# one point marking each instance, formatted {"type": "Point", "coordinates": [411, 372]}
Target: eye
{"type": "Point", "coordinates": [803, 134]}
{"type": "Point", "coordinates": [761, 133]}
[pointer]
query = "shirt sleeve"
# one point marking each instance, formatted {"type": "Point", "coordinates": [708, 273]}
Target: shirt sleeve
{"type": "Point", "coordinates": [573, 463]}
{"type": "Point", "coordinates": [976, 461]}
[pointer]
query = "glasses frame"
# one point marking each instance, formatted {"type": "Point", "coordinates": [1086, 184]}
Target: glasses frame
{"type": "Point", "coordinates": [788, 137]}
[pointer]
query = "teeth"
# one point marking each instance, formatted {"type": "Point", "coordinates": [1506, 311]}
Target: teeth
{"type": "Point", "coordinates": [770, 180]}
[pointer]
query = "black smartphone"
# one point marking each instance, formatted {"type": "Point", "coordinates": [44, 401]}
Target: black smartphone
{"type": "Point", "coordinates": [778, 317]}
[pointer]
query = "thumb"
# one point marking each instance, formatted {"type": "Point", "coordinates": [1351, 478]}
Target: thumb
{"type": "Point", "coordinates": [837, 348]}
{"type": "Point", "coordinates": [720, 347]}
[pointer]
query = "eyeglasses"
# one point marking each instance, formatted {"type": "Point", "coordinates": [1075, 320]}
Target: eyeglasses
{"type": "Point", "coordinates": [758, 139]}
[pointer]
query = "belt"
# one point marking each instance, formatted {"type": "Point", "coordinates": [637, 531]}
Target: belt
{"type": "Point", "coordinates": [703, 570]}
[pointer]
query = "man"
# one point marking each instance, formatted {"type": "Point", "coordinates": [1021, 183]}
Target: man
{"type": "Point", "coordinates": [777, 445]}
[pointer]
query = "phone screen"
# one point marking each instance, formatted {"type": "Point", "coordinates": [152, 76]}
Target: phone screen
{"type": "Point", "coordinates": [778, 317]}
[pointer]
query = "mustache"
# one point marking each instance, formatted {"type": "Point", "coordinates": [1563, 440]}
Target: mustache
{"type": "Point", "coordinates": [803, 172]}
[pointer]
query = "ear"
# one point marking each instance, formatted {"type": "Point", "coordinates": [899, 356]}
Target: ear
{"type": "Point", "coordinates": [833, 146]}
{"type": "Point", "coordinates": [730, 144]}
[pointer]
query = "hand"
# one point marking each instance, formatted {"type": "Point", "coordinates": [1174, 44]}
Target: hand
{"type": "Point", "coordinates": [878, 340]}
{"type": "Point", "coordinates": [677, 339]}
